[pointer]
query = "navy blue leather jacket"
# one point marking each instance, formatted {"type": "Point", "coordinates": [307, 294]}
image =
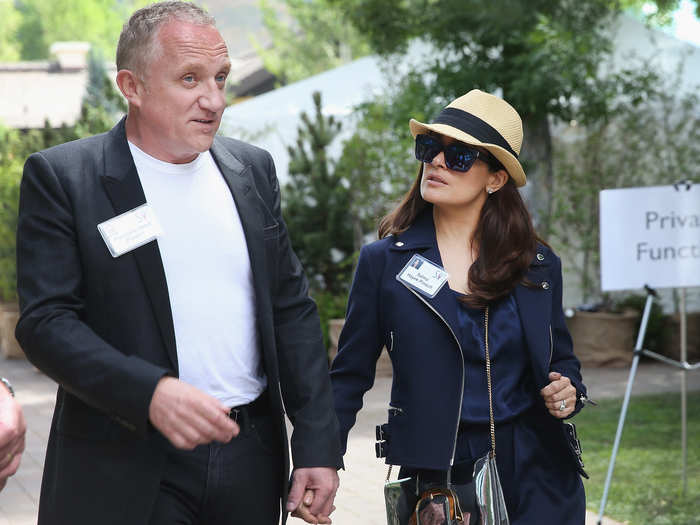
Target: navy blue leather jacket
{"type": "Point", "coordinates": [419, 334]}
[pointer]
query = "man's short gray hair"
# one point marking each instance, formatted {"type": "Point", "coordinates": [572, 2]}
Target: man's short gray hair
{"type": "Point", "coordinates": [137, 41]}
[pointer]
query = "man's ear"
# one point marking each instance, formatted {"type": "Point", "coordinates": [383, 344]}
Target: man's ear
{"type": "Point", "coordinates": [131, 86]}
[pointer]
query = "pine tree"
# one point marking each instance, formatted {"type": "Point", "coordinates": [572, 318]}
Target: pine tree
{"type": "Point", "coordinates": [316, 203]}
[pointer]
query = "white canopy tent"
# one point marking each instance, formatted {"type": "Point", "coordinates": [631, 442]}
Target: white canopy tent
{"type": "Point", "coordinates": [271, 120]}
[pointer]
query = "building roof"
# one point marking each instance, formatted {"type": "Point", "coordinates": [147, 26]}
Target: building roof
{"type": "Point", "coordinates": [38, 91]}
{"type": "Point", "coordinates": [28, 98]}
{"type": "Point", "coordinates": [248, 75]}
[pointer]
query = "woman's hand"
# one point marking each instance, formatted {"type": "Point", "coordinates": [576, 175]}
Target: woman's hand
{"type": "Point", "coordinates": [560, 389]}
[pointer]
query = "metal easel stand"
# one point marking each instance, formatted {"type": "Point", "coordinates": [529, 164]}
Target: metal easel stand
{"type": "Point", "coordinates": [682, 364]}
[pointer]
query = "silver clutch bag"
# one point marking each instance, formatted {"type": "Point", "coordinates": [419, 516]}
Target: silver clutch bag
{"type": "Point", "coordinates": [489, 493]}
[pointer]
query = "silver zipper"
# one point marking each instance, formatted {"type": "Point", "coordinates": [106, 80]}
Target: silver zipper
{"type": "Point", "coordinates": [461, 354]}
{"type": "Point", "coordinates": [586, 401]}
{"type": "Point", "coordinates": [391, 344]}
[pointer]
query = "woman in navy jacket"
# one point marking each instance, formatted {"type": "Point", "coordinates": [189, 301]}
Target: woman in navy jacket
{"type": "Point", "coordinates": [461, 246]}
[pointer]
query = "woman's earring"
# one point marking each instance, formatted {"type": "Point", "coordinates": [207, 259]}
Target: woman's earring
{"type": "Point", "coordinates": [489, 190]}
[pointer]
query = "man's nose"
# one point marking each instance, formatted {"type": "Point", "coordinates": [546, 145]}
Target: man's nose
{"type": "Point", "coordinates": [213, 99]}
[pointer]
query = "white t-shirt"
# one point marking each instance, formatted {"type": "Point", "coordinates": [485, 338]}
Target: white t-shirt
{"type": "Point", "coordinates": [210, 282]}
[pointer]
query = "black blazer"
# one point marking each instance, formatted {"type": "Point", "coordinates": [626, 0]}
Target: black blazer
{"type": "Point", "coordinates": [418, 332]}
{"type": "Point", "coordinates": [102, 328]}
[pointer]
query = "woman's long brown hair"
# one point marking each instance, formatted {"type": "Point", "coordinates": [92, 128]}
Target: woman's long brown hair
{"type": "Point", "coordinates": [505, 239]}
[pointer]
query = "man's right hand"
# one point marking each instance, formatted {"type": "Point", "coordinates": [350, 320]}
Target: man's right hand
{"type": "Point", "coordinates": [189, 417]}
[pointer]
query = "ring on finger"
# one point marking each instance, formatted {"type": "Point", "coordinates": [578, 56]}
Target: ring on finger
{"type": "Point", "coordinates": [562, 405]}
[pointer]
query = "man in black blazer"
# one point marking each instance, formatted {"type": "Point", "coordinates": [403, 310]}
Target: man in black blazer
{"type": "Point", "coordinates": [174, 316]}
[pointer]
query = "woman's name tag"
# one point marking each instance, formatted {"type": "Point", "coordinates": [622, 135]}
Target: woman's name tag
{"type": "Point", "coordinates": [130, 230]}
{"type": "Point", "coordinates": [423, 276]}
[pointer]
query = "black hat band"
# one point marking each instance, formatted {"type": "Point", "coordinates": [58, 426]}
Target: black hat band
{"type": "Point", "coordinates": [474, 126]}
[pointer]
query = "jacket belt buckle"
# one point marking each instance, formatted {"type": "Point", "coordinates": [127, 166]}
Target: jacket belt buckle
{"type": "Point", "coordinates": [382, 437]}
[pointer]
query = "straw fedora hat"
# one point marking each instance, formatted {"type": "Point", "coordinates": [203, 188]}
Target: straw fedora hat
{"type": "Point", "coordinates": [483, 120]}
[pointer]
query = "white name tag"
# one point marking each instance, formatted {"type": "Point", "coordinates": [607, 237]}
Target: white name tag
{"type": "Point", "coordinates": [130, 230]}
{"type": "Point", "coordinates": [423, 275]}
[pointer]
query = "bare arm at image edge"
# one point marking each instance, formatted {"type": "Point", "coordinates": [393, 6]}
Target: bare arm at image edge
{"type": "Point", "coordinates": [12, 431]}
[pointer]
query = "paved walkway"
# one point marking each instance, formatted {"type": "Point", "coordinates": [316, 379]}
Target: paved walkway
{"type": "Point", "coordinates": [359, 501]}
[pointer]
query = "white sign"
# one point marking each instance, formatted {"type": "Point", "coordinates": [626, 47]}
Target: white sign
{"type": "Point", "coordinates": [650, 236]}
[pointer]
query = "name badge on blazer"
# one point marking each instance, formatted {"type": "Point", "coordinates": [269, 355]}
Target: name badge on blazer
{"type": "Point", "coordinates": [423, 276]}
{"type": "Point", "coordinates": [129, 230]}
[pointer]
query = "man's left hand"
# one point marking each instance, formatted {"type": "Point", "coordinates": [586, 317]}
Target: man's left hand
{"type": "Point", "coordinates": [317, 486]}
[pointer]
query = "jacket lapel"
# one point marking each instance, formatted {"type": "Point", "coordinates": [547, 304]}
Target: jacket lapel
{"type": "Point", "coordinates": [240, 182]}
{"type": "Point", "coordinates": [444, 303]}
{"type": "Point", "coordinates": [420, 237]}
{"type": "Point", "coordinates": [123, 186]}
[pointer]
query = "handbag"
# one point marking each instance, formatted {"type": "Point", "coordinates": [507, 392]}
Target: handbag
{"type": "Point", "coordinates": [411, 501]}
{"type": "Point", "coordinates": [479, 502]}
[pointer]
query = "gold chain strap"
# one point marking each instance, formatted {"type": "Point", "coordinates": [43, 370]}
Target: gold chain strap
{"type": "Point", "coordinates": [488, 382]}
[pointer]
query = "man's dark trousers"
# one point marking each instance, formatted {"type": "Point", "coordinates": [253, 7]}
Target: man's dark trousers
{"type": "Point", "coordinates": [225, 484]}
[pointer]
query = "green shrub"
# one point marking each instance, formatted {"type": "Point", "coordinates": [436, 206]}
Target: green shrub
{"type": "Point", "coordinates": [330, 306]}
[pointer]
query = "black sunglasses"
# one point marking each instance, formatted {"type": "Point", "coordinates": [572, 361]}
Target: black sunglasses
{"type": "Point", "coordinates": [458, 156]}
